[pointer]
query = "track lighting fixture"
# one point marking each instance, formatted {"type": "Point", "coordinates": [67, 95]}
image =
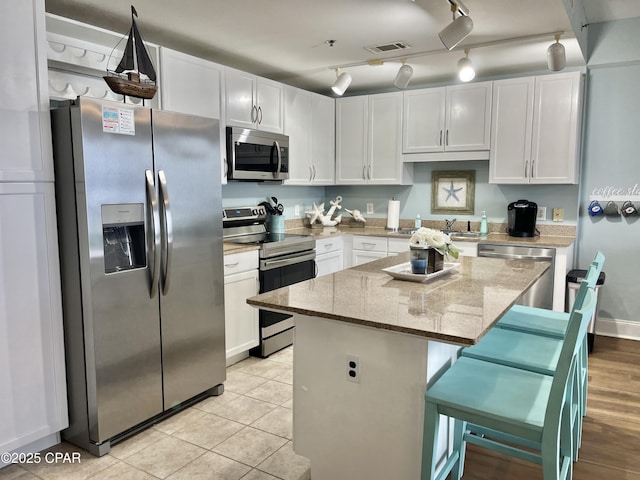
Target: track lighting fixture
{"type": "Point", "coordinates": [343, 80]}
{"type": "Point", "coordinates": [465, 68]}
{"type": "Point", "coordinates": [556, 57]}
{"type": "Point", "coordinates": [404, 75]}
{"type": "Point", "coordinates": [459, 28]}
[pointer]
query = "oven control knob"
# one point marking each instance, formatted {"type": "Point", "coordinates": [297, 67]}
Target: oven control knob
{"type": "Point", "coordinates": [259, 211]}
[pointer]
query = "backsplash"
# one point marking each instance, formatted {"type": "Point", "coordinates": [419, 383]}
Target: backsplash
{"type": "Point", "coordinates": [414, 199]}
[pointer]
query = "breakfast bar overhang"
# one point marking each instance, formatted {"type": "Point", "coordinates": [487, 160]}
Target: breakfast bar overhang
{"type": "Point", "coordinates": [366, 346]}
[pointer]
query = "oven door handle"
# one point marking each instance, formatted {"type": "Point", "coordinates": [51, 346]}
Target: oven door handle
{"type": "Point", "coordinates": [285, 262]}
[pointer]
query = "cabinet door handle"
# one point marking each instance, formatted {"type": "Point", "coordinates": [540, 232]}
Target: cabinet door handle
{"type": "Point", "coordinates": [526, 169]}
{"type": "Point", "coordinates": [364, 172]}
{"type": "Point", "coordinates": [259, 115]}
{"type": "Point", "coordinates": [328, 246]}
{"type": "Point", "coordinates": [314, 171]}
{"type": "Point", "coordinates": [532, 170]}
{"type": "Point", "coordinates": [231, 265]}
{"type": "Point", "coordinates": [440, 139]}
{"type": "Point", "coordinates": [310, 173]}
{"type": "Point", "coordinates": [254, 114]}
{"type": "Point", "coordinates": [369, 172]}
{"type": "Point", "coordinates": [371, 245]}
{"type": "Point", "coordinates": [446, 139]}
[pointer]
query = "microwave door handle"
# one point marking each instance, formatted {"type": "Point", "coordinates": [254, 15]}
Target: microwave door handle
{"type": "Point", "coordinates": [153, 234]}
{"type": "Point", "coordinates": [277, 147]}
{"type": "Point", "coordinates": [167, 233]}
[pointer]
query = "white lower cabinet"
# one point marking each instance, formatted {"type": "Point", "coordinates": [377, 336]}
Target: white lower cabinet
{"type": "Point", "coordinates": [366, 249]}
{"type": "Point", "coordinates": [329, 255]}
{"type": "Point", "coordinates": [397, 245]}
{"type": "Point", "coordinates": [241, 320]}
{"type": "Point", "coordinates": [33, 404]}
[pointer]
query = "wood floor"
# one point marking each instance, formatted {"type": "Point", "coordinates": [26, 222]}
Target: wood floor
{"type": "Point", "coordinates": [611, 431]}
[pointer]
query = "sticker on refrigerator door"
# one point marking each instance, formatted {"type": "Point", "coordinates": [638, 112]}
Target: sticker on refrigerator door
{"type": "Point", "coordinates": [118, 120]}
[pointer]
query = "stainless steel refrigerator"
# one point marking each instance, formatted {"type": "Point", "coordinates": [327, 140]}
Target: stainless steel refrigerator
{"type": "Point", "coordinates": [139, 205]}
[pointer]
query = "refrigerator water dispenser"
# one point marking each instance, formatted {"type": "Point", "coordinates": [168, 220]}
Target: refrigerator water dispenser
{"type": "Point", "coordinates": [123, 237]}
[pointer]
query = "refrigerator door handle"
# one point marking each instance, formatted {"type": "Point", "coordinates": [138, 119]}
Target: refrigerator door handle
{"type": "Point", "coordinates": [167, 233]}
{"type": "Point", "coordinates": [153, 234]}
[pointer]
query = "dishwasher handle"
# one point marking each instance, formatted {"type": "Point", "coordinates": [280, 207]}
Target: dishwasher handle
{"type": "Point", "coordinates": [514, 256]}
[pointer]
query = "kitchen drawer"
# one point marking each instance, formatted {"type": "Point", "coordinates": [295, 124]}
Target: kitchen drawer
{"type": "Point", "coordinates": [326, 245]}
{"type": "Point", "coordinates": [370, 244]}
{"type": "Point", "coordinates": [240, 262]}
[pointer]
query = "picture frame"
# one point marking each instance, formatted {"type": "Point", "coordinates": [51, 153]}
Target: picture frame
{"type": "Point", "coordinates": [453, 192]}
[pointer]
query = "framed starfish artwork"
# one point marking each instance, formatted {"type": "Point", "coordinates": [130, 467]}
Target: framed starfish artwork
{"type": "Point", "coordinates": [453, 191]}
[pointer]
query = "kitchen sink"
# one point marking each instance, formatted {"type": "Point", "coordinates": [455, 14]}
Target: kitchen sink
{"type": "Point", "coordinates": [455, 235]}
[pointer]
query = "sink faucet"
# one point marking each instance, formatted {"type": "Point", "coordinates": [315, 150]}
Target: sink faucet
{"type": "Point", "coordinates": [449, 224]}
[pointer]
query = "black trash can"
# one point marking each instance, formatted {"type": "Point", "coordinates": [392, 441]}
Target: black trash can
{"type": "Point", "coordinates": [574, 277]}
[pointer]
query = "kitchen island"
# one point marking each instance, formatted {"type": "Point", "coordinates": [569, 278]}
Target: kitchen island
{"type": "Point", "coordinates": [365, 348]}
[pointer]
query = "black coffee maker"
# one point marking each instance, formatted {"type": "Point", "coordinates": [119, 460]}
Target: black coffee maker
{"type": "Point", "coordinates": [521, 216]}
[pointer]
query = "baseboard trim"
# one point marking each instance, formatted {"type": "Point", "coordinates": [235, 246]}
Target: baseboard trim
{"type": "Point", "coordinates": [613, 327]}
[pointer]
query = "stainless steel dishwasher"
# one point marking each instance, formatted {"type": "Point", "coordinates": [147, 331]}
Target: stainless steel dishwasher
{"type": "Point", "coordinates": [541, 293]}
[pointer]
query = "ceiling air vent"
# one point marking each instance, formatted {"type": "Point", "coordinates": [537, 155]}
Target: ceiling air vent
{"type": "Point", "coordinates": [388, 47]}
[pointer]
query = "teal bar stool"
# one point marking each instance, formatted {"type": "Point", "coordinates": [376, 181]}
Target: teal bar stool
{"type": "Point", "coordinates": [552, 324]}
{"type": "Point", "coordinates": [512, 407]}
{"type": "Point", "coordinates": [539, 354]}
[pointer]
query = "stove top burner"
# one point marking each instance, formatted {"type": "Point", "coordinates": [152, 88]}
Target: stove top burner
{"type": "Point", "coordinates": [266, 237]}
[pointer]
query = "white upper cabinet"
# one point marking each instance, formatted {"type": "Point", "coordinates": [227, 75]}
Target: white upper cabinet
{"type": "Point", "coordinates": [368, 140]}
{"type": "Point", "coordinates": [536, 129]}
{"type": "Point", "coordinates": [25, 131]}
{"type": "Point", "coordinates": [191, 85]}
{"type": "Point", "coordinates": [254, 102]}
{"type": "Point", "coordinates": [447, 119]}
{"type": "Point", "coordinates": [323, 139]}
{"type": "Point", "coordinates": [423, 120]}
{"type": "Point", "coordinates": [309, 121]}
{"type": "Point", "coordinates": [194, 86]}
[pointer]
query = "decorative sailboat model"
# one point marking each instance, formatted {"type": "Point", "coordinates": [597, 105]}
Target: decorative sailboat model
{"type": "Point", "coordinates": [134, 64]}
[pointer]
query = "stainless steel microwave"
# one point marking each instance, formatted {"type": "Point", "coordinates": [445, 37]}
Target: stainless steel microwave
{"type": "Point", "coordinates": [254, 155]}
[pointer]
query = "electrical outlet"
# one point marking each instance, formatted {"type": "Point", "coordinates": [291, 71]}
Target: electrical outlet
{"type": "Point", "coordinates": [353, 369]}
{"type": "Point", "coordinates": [296, 211]}
{"type": "Point", "coordinates": [558, 214]}
{"type": "Point", "coordinates": [369, 208]}
{"type": "Point", "coordinates": [542, 213]}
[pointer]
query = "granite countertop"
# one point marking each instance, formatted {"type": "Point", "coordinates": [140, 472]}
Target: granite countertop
{"type": "Point", "coordinates": [456, 307]}
{"type": "Point", "coordinates": [557, 241]}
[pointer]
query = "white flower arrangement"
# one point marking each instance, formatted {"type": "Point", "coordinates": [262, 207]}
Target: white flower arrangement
{"type": "Point", "coordinates": [435, 239]}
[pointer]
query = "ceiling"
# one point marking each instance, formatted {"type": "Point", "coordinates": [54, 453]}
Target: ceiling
{"type": "Point", "coordinates": [286, 40]}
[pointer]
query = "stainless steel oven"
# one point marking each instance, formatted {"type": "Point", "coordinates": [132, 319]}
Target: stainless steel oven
{"type": "Point", "coordinates": [285, 259]}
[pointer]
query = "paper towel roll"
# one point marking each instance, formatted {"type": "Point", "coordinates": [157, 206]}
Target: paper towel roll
{"type": "Point", "coordinates": [393, 215]}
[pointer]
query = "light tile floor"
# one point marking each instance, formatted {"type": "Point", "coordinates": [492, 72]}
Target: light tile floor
{"type": "Point", "coordinates": [243, 434]}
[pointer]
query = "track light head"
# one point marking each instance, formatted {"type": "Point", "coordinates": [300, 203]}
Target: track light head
{"type": "Point", "coordinates": [404, 75]}
{"type": "Point", "coordinates": [466, 73]}
{"type": "Point", "coordinates": [343, 80]}
{"type": "Point", "coordinates": [457, 30]}
{"type": "Point", "coordinates": [556, 56]}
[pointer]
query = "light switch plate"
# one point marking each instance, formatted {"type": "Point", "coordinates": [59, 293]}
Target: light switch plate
{"type": "Point", "coordinates": [542, 213]}
{"type": "Point", "coordinates": [558, 214]}
{"type": "Point", "coordinates": [369, 208]}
